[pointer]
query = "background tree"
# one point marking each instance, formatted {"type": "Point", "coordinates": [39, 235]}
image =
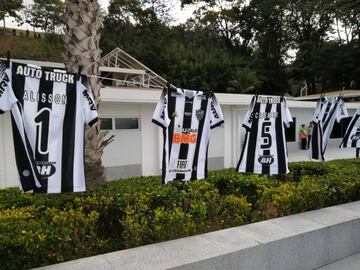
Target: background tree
{"type": "Point", "coordinates": [309, 23]}
{"type": "Point", "coordinates": [45, 14]}
{"type": "Point", "coordinates": [81, 42]}
{"type": "Point", "coordinates": [271, 44]}
{"type": "Point", "coordinates": [10, 8]}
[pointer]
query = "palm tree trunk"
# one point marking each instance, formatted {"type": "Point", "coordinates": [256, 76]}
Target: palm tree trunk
{"type": "Point", "coordinates": [81, 43]}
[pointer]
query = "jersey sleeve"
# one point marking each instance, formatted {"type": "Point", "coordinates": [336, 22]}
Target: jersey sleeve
{"type": "Point", "coordinates": [7, 96]}
{"type": "Point", "coordinates": [287, 118]}
{"type": "Point", "coordinates": [342, 111]}
{"type": "Point", "coordinates": [161, 116]}
{"type": "Point", "coordinates": [216, 115]}
{"type": "Point", "coordinates": [247, 122]}
{"type": "Point", "coordinates": [88, 103]}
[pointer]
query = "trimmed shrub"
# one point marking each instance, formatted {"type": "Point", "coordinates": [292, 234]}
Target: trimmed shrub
{"type": "Point", "coordinates": [42, 229]}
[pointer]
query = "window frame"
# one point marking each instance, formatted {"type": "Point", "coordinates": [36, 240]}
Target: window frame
{"type": "Point", "coordinates": [113, 122]}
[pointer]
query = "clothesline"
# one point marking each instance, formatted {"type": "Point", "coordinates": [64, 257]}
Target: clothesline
{"type": "Point", "coordinates": [124, 81]}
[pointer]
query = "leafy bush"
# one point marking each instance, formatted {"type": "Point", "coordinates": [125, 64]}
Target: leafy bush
{"type": "Point", "coordinates": [41, 229]}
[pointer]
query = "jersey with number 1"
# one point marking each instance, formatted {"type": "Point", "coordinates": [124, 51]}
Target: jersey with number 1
{"type": "Point", "coordinates": [264, 150]}
{"type": "Point", "coordinates": [49, 108]}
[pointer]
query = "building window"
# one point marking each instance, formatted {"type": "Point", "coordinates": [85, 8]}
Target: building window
{"type": "Point", "coordinates": [126, 123]}
{"type": "Point", "coordinates": [106, 123]}
{"type": "Point", "coordinates": [340, 128]}
{"type": "Point", "coordinates": [290, 132]}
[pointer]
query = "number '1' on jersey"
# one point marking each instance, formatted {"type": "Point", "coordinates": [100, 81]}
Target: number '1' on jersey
{"type": "Point", "coordinates": [264, 150]}
{"type": "Point", "coordinates": [52, 106]}
{"type": "Point", "coordinates": [186, 118]}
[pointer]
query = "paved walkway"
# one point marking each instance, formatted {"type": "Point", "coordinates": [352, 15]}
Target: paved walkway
{"type": "Point", "coordinates": [349, 263]}
{"type": "Point", "coordinates": [332, 152]}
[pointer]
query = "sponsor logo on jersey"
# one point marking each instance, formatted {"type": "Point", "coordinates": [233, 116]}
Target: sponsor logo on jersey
{"type": "Point", "coordinates": [181, 163]}
{"type": "Point", "coordinates": [45, 168]}
{"type": "Point", "coordinates": [269, 100]}
{"type": "Point", "coordinates": [266, 160]}
{"type": "Point", "coordinates": [355, 137]}
{"type": "Point", "coordinates": [89, 99]}
{"type": "Point", "coordinates": [189, 138]}
{"type": "Point", "coordinates": [37, 73]}
{"type": "Point", "coordinates": [187, 114]}
{"type": "Point", "coordinates": [162, 116]}
{"type": "Point", "coordinates": [185, 130]}
{"type": "Point", "coordinates": [4, 83]}
{"type": "Point", "coordinates": [200, 114]}
{"type": "Point", "coordinates": [214, 112]}
{"type": "Point", "coordinates": [181, 167]}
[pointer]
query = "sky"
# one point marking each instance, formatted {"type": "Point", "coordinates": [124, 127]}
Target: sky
{"type": "Point", "coordinates": [180, 15]}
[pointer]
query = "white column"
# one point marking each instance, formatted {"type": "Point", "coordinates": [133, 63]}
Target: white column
{"type": "Point", "coordinates": [8, 171]}
{"type": "Point", "coordinates": [150, 141]}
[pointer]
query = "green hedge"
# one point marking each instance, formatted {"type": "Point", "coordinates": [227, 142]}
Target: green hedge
{"type": "Point", "coordinates": [42, 229]}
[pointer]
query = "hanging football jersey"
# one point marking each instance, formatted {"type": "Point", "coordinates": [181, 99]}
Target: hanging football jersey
{"type": "Point", "coordinates": [327, 111]}
{"type": "Point", "coordinates": [53, 107]}
{"type": "Point", "coordinates": [186, 117]}
{"type": "Point", "coordinates": [352, 134]}
{"type": "Point", "coordinates": [29, 176]}
{"type": "Point", "coordinates": [264, 150]}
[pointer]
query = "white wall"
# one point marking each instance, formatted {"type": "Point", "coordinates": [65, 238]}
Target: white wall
{"type": "Point", "coordinates": [127, 145]}
{"type": "Point", "coordinates": [143, 148]}
{"type": "Point", "coordinates": [8, 172]}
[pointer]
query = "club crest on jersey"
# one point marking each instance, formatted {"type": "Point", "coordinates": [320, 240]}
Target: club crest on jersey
{"type": "Point", "coordinates": [174, 114]}
{"type": "Point", "coordinates": [266, 160]}
{"type": "Point", "coordinates": [46, 169]}
{"type": "Point", "coordinates": [200, 114]}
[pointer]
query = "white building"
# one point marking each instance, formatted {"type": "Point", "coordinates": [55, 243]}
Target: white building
{"type": "Point", "coordinates": [128, 99]}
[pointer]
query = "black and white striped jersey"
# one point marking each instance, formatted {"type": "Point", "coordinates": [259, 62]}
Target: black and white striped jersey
{"type": "Point", "coordinates": [352, 134]}
{"type": "Point", "coordinates": [49, 108]}
{"type": "Point", "coordinates": [264, 150]}
{"type": "Point", "coordinates": [186, 117]}
{"type": "Point", "coordinates": [327, 111]}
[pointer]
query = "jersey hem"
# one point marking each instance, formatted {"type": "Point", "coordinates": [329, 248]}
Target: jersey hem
{"type": "Point", "coordinates": [158, 123]}
{"type": "Point", "coordinates": [92, 122]}
{"type": "Point", "coordinates": [217, 124]}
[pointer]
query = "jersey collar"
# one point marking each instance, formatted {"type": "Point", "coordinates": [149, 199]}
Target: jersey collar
{"type": "Point", "coordinates": [189, 93]}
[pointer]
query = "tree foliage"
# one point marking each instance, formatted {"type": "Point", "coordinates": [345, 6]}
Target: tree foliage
{"type": "Point", "coordinates": [45, 14]}
{"type": "Point", "coordinates": [273, 46]}
{"type": "Point", "coordinates": [10, 8]}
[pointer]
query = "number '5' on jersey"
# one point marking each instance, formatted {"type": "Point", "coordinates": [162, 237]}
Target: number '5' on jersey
{"type": "Point", "coordinates": [49, 108]}
{"type": "Point", "coordinates": [264, 150]}
{"type": "Point", "coordinates": [186, 117]}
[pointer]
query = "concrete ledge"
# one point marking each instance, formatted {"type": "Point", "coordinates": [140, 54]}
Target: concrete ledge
{"type": "Point", "coordinates": [303, 241]}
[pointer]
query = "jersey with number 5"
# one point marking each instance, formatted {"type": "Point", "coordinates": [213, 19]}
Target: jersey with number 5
{"type": "Point", "coordinates": [49, 108]}
{"type": "Point", "coordinates": [264, 150]}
